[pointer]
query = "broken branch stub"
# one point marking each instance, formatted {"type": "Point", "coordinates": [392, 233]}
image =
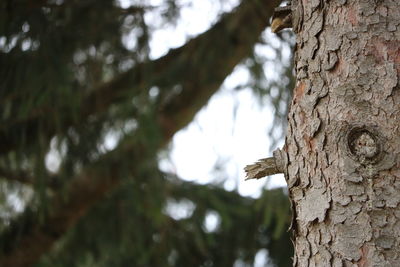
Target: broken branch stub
{"type": "Point", "coordinates": [265, 167]}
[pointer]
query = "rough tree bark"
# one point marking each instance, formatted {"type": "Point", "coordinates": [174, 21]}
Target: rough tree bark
{"type": "Point", "coordinates": [343, 139]}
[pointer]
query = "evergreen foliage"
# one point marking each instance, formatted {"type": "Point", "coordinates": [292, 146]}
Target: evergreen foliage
{"type": "Point", "coordinates": [68, 82]}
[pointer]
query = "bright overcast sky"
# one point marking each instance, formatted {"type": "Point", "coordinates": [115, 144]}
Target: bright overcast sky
{"type": "Point", "coordinates": [231, 131]}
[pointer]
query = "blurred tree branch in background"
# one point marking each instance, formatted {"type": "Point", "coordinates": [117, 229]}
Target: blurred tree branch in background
{"type": "Point", "coordinates": [75, 83]}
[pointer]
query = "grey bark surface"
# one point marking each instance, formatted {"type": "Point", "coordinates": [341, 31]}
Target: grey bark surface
{"type": "Point", "coordinates": [343, 137]}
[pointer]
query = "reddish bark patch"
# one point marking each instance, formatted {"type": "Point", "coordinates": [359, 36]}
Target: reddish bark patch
{"type": "Point", "coordinates": [394, 53]}
{"type": "Point", "coordinates": [338, 66]}
{"type": "Point", "coordinates": [362, 262]}
{"type": "Point", "coordinates": [285, 148]}
{"type": "Point", "coordinates": [378, 49]}
{"type": "Point", "coordinates": [384, 51]}
{"type": "Point", "coordinates": [352, 16]}
{"type": "Point", "coordinates": [313, 144]}
{"type": "Point", "coordinates": [299, 91]}
{"type": "Point", "coordinates": [310, 142]}
{"type": "Point", "coordinates": [302, 117]}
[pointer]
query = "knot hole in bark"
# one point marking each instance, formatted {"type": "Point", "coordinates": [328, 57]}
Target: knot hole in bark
{"type": "Point", "coordinates": [364, 145]}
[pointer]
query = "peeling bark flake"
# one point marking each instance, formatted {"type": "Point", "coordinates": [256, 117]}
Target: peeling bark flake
{"type": "Point", "coordinates": [314, 206]}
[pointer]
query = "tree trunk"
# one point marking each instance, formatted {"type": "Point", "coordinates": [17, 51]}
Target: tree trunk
{"type": "Point", "coordinates": [343, 138]}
